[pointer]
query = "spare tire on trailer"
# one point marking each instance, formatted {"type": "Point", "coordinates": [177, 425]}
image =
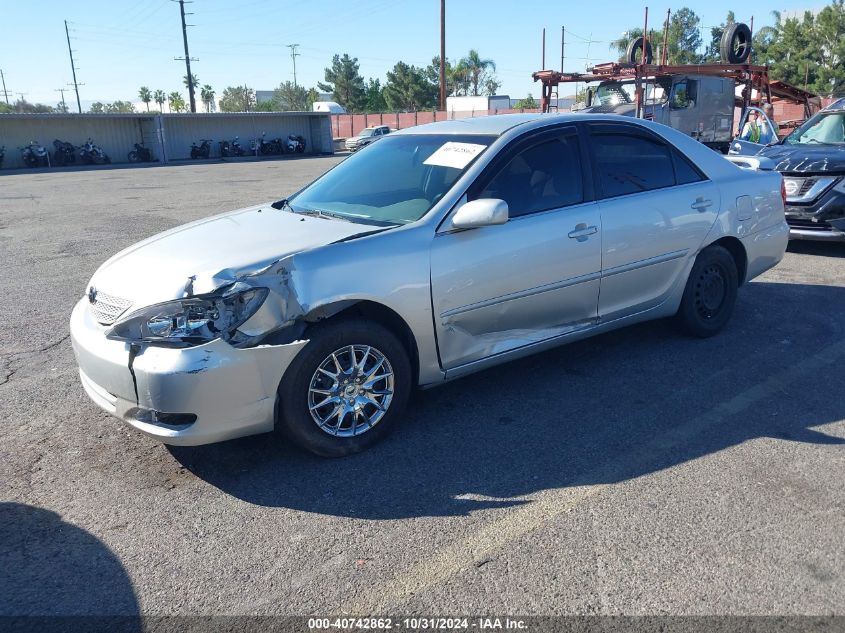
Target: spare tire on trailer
{"type": "Point", "coordinates": [735, 45]}
{"type": "Point", "coordinates": [636, 46]}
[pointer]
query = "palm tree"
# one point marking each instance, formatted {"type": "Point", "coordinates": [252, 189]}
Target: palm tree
{"type": "Point", "coordinates": [159, 97]}
{"type": "Point", "coordinates": [207, 95]}
{"type": "Point", "coordinates": [474, 67]}
{"type": "Point", "coordinates": [145, 95]}
{"type": "Point", "coordinates": [194, 80]}
{"type": "Point", "coordinates": [176, 102]}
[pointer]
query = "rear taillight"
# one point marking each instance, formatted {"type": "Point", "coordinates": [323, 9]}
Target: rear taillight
{"type": "Point", "coordinates": [783, 190]}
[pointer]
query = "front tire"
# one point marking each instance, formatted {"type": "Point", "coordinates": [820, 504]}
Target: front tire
{"type": "Point", "coordinates": [710, 293]}
{"type": "Point", "coordinates": [346, 389]}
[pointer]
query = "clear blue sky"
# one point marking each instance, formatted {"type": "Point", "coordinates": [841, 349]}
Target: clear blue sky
{"type": "Point", "coordinates": [123, 44]}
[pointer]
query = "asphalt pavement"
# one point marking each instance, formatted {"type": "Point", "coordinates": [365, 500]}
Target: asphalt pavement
{"type": "Point", "coordinates": [639, 472]}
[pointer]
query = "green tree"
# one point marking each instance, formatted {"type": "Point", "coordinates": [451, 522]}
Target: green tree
{"type": "Point", "coordinates": [159, 97]}
{"type": "Point", "coordinates": [830, 34]}
{"type": "Point", "coordinates": [683, 40]}
{"type": "Point", "coordinates": [176, 102]}
{"type": "Point", "coordinates": [432, 72]}
{"type": "Point", "coordinates": [375, 96]}
{"type": "Point", "coordinates": [207, 96]}
{"type": "Point", "coordinates": [713, 55]}
{"type": "Point", "coordinates": [98, 107]}
{"type": "Point", "coordinates": [526, 103]}
{"type": "Point", "coordinates": [476, 71]}
{"type": "Point", "coordinates": [290, 97]}
{"type": "Point", "coordinates": [345, 82]}
{"type": "Point", "coordinates": [120, 107]}
{"type": "Point", "coordinates": [408, 89]}
{"type": "Point", "coordinates": [145, 95]}
{"type": "Point", "coordinates": [792, 51]}
{"type": "Point", "coordinates": [62, 107]}
{"type": "Point", "coordinates": [195, 81]}
{"type": "Point", "coordinates": [237, 99]}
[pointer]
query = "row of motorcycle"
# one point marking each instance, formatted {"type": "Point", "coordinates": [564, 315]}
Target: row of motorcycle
{"type": "Point", "coordinates": [294, 144]}
{"type": "Point", "coordinates": [64, 153]}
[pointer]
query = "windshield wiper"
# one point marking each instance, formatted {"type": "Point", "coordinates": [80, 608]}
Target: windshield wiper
{"type": "Point", "coordinates": [318, 213]}
{"type": "Point", "coordinates": [281, 204]}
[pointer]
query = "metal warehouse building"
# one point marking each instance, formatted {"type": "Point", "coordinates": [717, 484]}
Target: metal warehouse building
{"type": "Point", "coordinates": [169, 136]}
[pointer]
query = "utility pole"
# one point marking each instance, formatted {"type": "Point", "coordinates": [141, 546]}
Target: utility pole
{"type": "Point", "coordinates": [188, 59]}
{"type": "Point", "coordinates": [293, 56]}
{"type": "Point", "coordinates": [64, 105]}
{"type": "Point", "coordinates": [73, 69]}
{"type": "Point", "coordinates": [443, 55]}
{"type": "Point", "coordinates": [562, 40]}
{"type": "Point", "coordinates": [5, 93]}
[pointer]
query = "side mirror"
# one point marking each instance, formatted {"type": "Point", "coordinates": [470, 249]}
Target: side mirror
{"type": "Point", "coordinates": [482, 212]}
{"type": "Point", "coordinates": [588, 99]}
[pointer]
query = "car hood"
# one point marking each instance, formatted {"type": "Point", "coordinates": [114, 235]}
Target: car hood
{"type": "Point", "coordinates": [806, 158]}
{"type": "Point", "coordinates": [207, 254]}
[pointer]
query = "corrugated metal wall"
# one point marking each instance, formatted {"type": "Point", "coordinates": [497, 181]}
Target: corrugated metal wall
{"type": "Point", "coordinates": [180, 130]}
{"type": "Point", "coordinates": [168, 136]}
{"type": "Point", "coordinates": [117, 135]}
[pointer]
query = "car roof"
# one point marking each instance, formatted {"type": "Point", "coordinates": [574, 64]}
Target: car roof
{"type": "Point", "coordinates": [499, 124]}
{"type": "Point", "coordinates": [494, 124]}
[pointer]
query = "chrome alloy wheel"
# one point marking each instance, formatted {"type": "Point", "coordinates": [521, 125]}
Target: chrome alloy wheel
{"type": "Point", "coordinates": [351, 390]}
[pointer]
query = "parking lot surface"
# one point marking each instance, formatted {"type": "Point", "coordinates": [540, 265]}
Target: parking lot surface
{"type": "Point", "coordinates": [640, 472]}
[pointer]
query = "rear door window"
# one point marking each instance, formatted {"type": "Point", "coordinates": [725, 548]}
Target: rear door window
{"type": "Point", "coordinates": [631, 163]}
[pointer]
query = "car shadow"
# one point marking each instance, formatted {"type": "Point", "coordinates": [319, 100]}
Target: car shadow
{"type": "Point", "coordinates": [608, 409]}
{"type": "Point", "coordinates": [55, 576]}
{"type": "Point", "coordinates": [822, 249]}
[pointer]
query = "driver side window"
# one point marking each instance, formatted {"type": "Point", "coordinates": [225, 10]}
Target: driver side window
{"type": "Point", "coordinates": [544, 176]}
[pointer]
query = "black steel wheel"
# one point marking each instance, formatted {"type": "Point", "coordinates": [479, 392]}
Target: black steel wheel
{"type": "Point", "coordinates": [710, 293]}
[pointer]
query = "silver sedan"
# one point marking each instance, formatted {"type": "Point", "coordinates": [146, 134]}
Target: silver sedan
{"type": "Point", "coordinates": [438, 251]}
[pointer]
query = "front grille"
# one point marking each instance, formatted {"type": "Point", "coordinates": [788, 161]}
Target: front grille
{"type": "Point", "coordinates": [807, 224]}
{"type": "Point", "coordinates": [106, 308]}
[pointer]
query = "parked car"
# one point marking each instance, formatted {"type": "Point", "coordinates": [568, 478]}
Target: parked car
{"type": "Point", "coordinates": [442, 250]}
{"type": "Point", "coordinates": [812, 161]}
{"type": "Point", "coordinates": [365, 137]}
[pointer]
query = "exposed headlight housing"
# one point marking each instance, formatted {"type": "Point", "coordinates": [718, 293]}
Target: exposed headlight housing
{"type": "Point", "coordinates": [806, 189]}
{"type": "Point", "coordinates": [191, 321]}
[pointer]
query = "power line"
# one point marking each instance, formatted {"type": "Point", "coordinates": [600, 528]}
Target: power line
{"type": "Point", "coordinates": [73, 69]}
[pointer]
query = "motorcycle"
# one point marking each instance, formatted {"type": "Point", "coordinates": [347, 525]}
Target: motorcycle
{"type": "Point", "coordinates": [35, 155]}
{"type": "Point", "coordinates": [231, 148]}
{"type": "Point", "coordinates": [90, 153]}
{"type": "Point", "coordinates": [141, 154]}
{"type": "Point", "coordinates": [64, 153]}
{"type": "Point", "coordinates": [203, 150]}
{"type": "Point", "coordinates": [295, 144]}
{"type": "Point", "coordinates": [266, 148]}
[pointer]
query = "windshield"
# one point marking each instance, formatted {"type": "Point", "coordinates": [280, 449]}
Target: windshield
{"type": "Point", "coordinates": [614, 94]}
{"type": "Point", "coordinates": [367, 131]}
{"type": "Point", "coordinates": [826, 128]}
{"type": "Point", "coordinates": [394, 181]}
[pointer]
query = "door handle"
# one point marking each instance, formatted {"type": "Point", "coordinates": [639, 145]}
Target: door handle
{"type": "Point", "coordinates": [701, 204]}
{"type": "Point", "coordinates": [581, 232]}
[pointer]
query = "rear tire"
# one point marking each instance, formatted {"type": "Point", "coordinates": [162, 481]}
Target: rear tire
{"type": "Point", "coordinates": [304, 376]}
{"type": "Point", "coordinates": [710, 293]}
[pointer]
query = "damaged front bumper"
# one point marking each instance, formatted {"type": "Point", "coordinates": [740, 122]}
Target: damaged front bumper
{"type": "Point", "coordinates": [821, 220]}
{"type": "Point", "coordinates": [189, 396]}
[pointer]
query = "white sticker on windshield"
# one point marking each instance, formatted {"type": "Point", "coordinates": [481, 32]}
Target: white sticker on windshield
{"type": "Point", "coordinates": [452, 154]}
